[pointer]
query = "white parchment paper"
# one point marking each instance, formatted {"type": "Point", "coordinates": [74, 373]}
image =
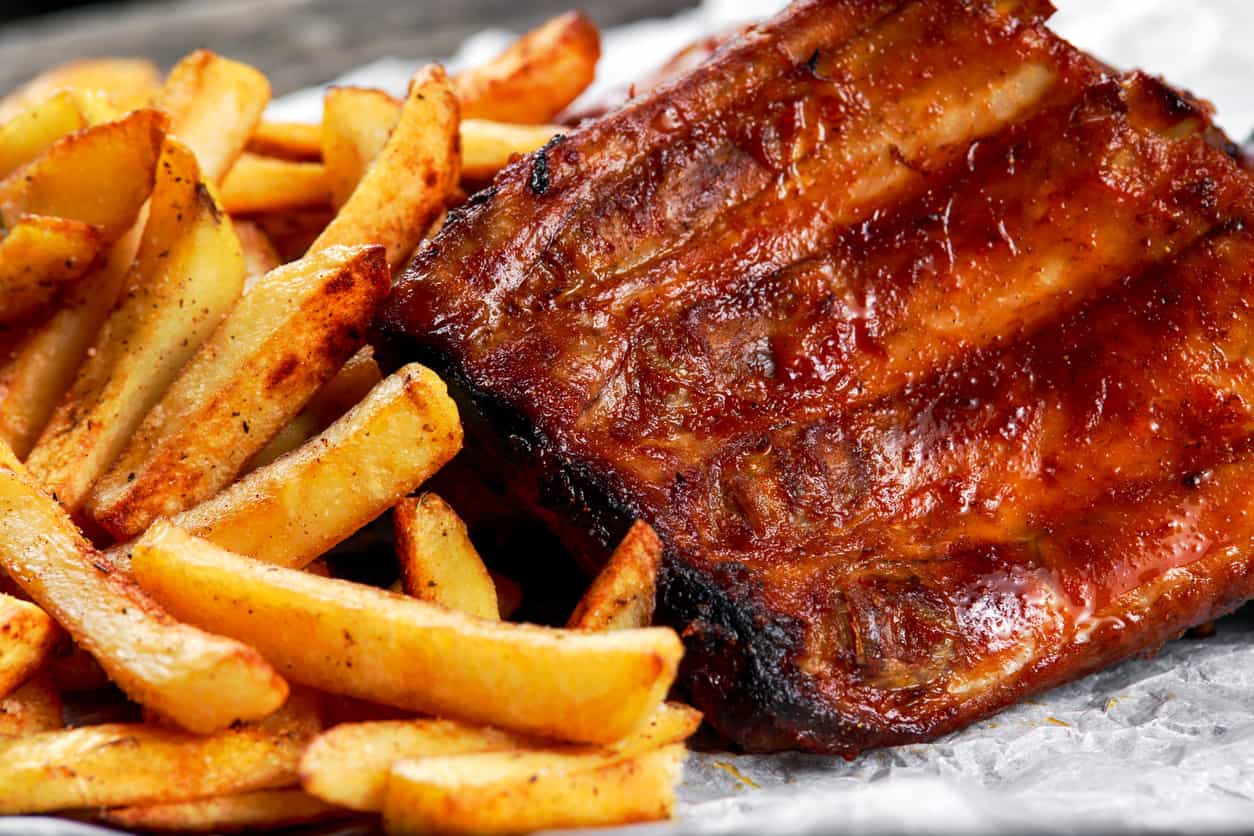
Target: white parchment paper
{"type": "Point", "coordinates": [1160, 745]}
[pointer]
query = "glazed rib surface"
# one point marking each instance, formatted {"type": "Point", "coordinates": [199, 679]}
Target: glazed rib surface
{"type": "Point", "coordinates": [919, 336]}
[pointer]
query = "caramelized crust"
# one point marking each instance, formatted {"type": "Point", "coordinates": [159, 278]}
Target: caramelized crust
{"type": "Point", "coordinates": [920, 338]}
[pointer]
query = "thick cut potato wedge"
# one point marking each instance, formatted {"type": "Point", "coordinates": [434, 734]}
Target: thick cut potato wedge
{"type": "Point", "coordinates": [27, 637]}
{"type": "Point", "coordinates": [349, 764]}
{"type": "Point", "coordinates": [203, 682]}
{"type": "Point", "coordinates": [188, 274]}
{"type": "Point", "coordinates": [516, 792]}
{"type": "Point", "coordinates": [121, 764]}
{"type": "Point", "coordinates": [35, 707]}
{"type": "Point", "coordinates": [35, 378]}
{"type": "Point", "coordinates": [406, 184]}
{"type": "Point", "coordinates": [246, 812]}
{"type": "Point", "coordinates": [622, 596]}
{"type": "Point", "coordinates": [348, 388]}
{"type": "Point", "coordinates": [260, 257]}
{"type": "Point", "coordinates": [268, 184]}
{"type": "Point", "coordinates": [487, 147]}
{"type": "Point", "coordinates": [537, 77]}
{"type": "Point", "coordinates": [101, 175]}
{"type": "Point", "coordinates": [509, 594]}
{"type": "Point", "coordinates": [38, 258]}
{"type": "Point", "coordinates": [29, 133]}
{"type": "Point", "coordinates": [214, 105]}
{"type": "Point", "coordinates": [287, 141]}
{"type": "Point", "coordinates": [356, 124]}
{"type": "Point", "coordinates": [438, 562]}
{"type": "Point", "coordinates": [296, 508]}
{"type": "Point", "coordinates": [352, 639]}
{"type": "Point", "coordinates": [286, 338]}
{"type": "Point", "coordinates": [127, 82]}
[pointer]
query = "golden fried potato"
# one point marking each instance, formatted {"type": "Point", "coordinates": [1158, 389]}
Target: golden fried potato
{"type": "Point", "coordinates": [284, 339]}
{"type": "Point", "coordinates": [406, 184]}
{"type": "Point", "coordinates": [514, 792]}
{"type": "Point", "coordinates": [42, 366]}
{"type": "Point", "coordinates": [356, 124]}
{"type": "Point", "coordinates": [34, 707]}
{"type": "Point", "coordinates": [100, 176]}
{"type": "Point", "coordinates": [622, 595]}
{"type": "Point", "coordinates": [348, 388]}
{"type": "Point", "coordinates": [38, 258]}
{"type": "Point", "coordinates": [357, 640]}
{"type": "Point", "coordinates": [245, 812]}
{"type": "Point", "coordinates": [438, 562]}
{"type": "Point", "coordinates": [121, 764]}
{"type": "Point", "coordinates": [288, 141]}
{"type": "Point", "coordinates": [27, 637]}
{"type": "Point", "coordinates": [488, 146]}
{"type": "Point", "coordinates": [29, 133]}
{"type": "Point", "coordinates": [537, 77]}
{"type": "Point", "coordinates": [293, 230]}
{"type": "Point", "coordinates": [188, 274]}
{"type": "Point", "coordinates": [214, 105]}
{"type": "Point", "coordinates": [268, 184]}
{"type": "Point", "coordinates": [127, 82]}
{"type": "Point", "coordinates": [349, 763]}
{"type": "Point", "coordinates": [260, 257]}
{"type": "Point", "coordinates": [296, 508]}
{"type": "Point", "coordinates": [203, 682]}
{"type": "Point", "coordinates": [509, 594]}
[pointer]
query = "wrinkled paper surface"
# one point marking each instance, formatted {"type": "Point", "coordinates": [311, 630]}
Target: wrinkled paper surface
{"type": "Point", "coordinates": [1162, 745]}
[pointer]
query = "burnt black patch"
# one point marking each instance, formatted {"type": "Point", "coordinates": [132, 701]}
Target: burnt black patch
{"type": "Point", "coordinates": [539, 182]}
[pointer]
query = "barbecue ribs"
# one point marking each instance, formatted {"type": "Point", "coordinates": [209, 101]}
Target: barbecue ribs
{"type": "Point", "coordinates": [922, 338]}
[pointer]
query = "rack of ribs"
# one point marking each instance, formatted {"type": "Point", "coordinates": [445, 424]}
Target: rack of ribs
{"type": "Point", "coordinates": [922, 338]}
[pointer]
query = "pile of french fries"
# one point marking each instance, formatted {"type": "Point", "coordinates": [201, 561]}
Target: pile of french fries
{"type": "Point", "coordinates": [191, 418]}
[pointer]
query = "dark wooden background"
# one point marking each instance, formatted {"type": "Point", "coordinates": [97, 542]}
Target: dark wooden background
{"type": "Point", "coordinates": [295, 42]}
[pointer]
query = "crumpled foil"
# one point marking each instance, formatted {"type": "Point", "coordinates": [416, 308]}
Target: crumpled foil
{"type": "Point", "coordinates": [1159, 745]}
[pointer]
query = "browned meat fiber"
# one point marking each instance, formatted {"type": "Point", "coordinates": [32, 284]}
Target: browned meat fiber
{"type": "Point", "coordinates": [922, 338]}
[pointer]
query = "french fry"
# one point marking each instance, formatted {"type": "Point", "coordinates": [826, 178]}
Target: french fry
{"type": "Point", "coordinates": [286, 338]}
{"type": "Point", "coordinates": [296, 508]}
{"type": "Point", "coordinates": [352, 639]}
{"type": "Point", "coordinates": [27, 637]}
{"type": "Point", "coordinates": [38, 258]}
{"type": "Point", "coordinates": [189, 272]}
{"type": "Point", "coordinates": [349, 764]}
{"type": "Point", "coordinates": [128, 82]}
{"type": "Point", "coordinates": [42, 367]}
{"type": "Point", "coordinates": [509, 594]}
{"type": "Point", "coordinates": [287, 141]}
{"type": "Point", "coordinates": [292, 231]}
{"type": "Point", "coordinates": [121, 764]}
{"type": "Point", "coordinates": [243, 813]}
{"type": "Point", "coordinates": [100, 176]}
{"type": "Point", "coordinates": [513, 792]}
{"type": "Point", "coordinates": [488, 146]}
{"type": "Point", "coordinates": [29, 133]}
{"type": "Point", "coordinates": [537, 77]}
{"type": "Point", "coordinates": [356, 124]}
{"type": "Point", "coordinates": [405, 186]}
{"type": "Point", "coordinates": [260, 256]}
{"type": "Point", "coordinates": [350, 385]}
{"type": "Point", "coordinates": [267, 184]}
{"type": "Point", "coordinates": [622, 596]}
{"type": "Point", "coordinates": [203, 682]}
{"type": "Point", "coordinates": [438, 562]}
{"type": "Point", "coordinates": [35, 707]}
{"type": "Point", "coordinates": [214, 105]}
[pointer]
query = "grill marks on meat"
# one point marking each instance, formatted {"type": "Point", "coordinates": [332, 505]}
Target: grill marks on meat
{"type": "Point", "coordinates": [921, 339]}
